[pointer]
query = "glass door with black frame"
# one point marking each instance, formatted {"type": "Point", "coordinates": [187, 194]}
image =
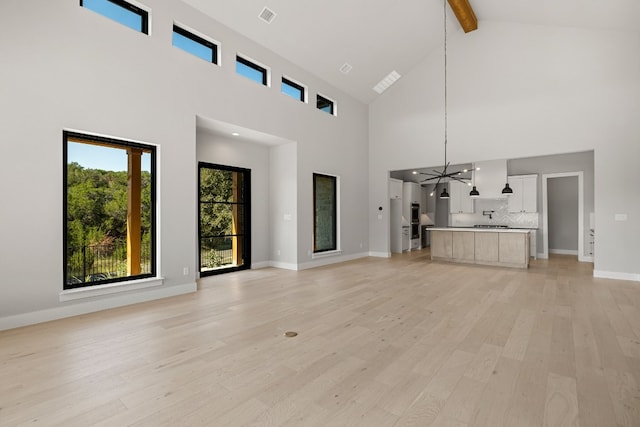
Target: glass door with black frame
{"type": "Point", "coordinates": [224, 218]}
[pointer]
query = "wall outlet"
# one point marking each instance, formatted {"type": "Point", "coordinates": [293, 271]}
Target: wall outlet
{"type": "Point", "coordinates": [309, 253]}
{"type": "Point", "coordinates": [185, 271]}
{"type": "Point", "coordinates": [360, 245]}
{"type": "Point", "coordinates": [278, 252]}
{"type": "Point", "coordinates": [621, 217]}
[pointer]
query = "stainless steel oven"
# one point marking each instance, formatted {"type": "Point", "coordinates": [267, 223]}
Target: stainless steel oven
{"type": "Point", "coordinates": [415, 213]}
{"type": "Point", "coordinates": [415, 231]}
{"type": "Point", "coordinates": [415, 221]}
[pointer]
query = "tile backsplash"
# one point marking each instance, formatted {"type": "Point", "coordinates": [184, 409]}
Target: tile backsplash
{"type": "Point", "coordinates": [500, 216]}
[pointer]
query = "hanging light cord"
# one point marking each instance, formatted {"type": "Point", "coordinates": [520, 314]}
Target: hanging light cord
{"type": "Point", "coordinates": [445, 83]}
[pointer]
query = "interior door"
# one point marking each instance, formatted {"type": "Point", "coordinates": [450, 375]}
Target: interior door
{"type": "Point", "coordinates": [224, 226]}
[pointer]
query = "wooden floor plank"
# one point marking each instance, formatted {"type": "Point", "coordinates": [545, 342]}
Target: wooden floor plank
{"type": "Point", "coordinates": [381, 342]}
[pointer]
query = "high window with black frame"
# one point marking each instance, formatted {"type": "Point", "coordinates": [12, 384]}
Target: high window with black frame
{"type": "Point", "coordinates": [325, 104]}
{"type": "Point", "coordinates": [109, 210]}
{"type": "Point", "coordinates": [252, 71]}
{"type": "Point", "coordinates": [293, 89]}
{"type": "Point", "coordinates": [195, 44]}
{"type": "Point", "coordinates": [120, 11]}
{"type": "Point", "coordinates": [325, 213]}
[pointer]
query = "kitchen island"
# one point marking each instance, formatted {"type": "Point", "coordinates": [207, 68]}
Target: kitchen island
{"type": "Point", "coordinates": [504, 247]}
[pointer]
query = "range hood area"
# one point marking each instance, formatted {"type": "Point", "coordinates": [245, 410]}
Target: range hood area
{"type": "Point", "coordinates": [490, 177]}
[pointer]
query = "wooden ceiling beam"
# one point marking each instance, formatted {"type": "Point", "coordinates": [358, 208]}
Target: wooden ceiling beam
{"type": "Point", "coordinates": [465, 15]}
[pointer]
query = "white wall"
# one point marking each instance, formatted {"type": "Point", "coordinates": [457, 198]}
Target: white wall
{"type": "Point", "coordinates": [284, 205]}
{"type": "Point", "coordinates": [66, 67]}
{"type": "Point", "coordinates": [520, 91]}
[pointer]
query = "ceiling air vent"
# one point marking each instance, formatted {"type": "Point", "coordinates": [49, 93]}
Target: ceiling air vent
{"type": "Point", "coordinates": [267, 15]}
{"type": "Point", "coordinates": [387, 81]}
{"type": "Point", "coordinates": [346, 68]}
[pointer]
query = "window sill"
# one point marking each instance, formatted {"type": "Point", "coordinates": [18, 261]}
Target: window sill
{"type": "Point", "coordinates": [326, 254]}
{"type": "Point", "coordinates": [110, 288]}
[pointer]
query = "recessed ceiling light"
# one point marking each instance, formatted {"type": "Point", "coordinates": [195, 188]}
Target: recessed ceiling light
{"type": "Point", "coordinates": [235, 134]}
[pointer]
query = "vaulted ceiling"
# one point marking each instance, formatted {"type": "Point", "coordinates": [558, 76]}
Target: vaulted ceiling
{"type": "Point", "coordinates": [376, 37]}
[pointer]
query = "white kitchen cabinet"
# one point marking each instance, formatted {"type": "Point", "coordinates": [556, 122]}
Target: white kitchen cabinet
{"type": "Point", "coordinates": [406, 239]}
{"type": "Point", "coordinates": [525, 193]}
{"type": "Point", "coordinates": [411, 193]}
{"type": "Point", "coordinates": [459, 199]}
{"type": "Point", "coordinates": [395, 188]}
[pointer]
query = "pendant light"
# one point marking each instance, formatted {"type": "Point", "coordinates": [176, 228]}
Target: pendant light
{"type": "Point", "coordinates": [474, 193]}
{"type": "Point", "coordinates": [507, 191]}
{"type": "Point", "coordinates": [444, 194]}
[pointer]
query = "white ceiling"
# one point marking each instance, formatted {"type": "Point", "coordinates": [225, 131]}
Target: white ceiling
{"type": "Point", "coordinates": [378, 36]}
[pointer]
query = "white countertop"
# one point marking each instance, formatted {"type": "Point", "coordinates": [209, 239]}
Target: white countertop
{"type": "Point", "coordinates": [481, 229]}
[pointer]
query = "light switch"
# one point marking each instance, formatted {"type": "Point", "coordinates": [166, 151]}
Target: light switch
{"type": "Point", "coordinates": [287, 217]}
{"type": "Point", "coordinates": [621, 217]}
{"type": "Point", "coordinates": [379, 216]}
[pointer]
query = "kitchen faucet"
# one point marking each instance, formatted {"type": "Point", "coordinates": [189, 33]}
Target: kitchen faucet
{"type": "Point", "coordinates": [488, 213]}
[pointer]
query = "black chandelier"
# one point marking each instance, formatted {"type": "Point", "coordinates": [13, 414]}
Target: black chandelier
{"type": "Point", "coordinates": [445, 173]}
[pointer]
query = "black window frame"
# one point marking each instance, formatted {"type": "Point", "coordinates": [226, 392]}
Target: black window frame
{"type": "Point", "coordinates": [335, 213]}
{"type": "Point", "coordinates": [153, 212]}
{"type": "Point", "coordinates": [256, 67]}
{"type": "Point", "coordinates": [291, 83]}
{"type": "Point", "coordinates": [246, 206]}
{"type": "Point", "coordinates": [142, 13]}
{"type": "Point", "coordinates": [200, 40]}
{"type": "Point", "coordinates": [320, 100]}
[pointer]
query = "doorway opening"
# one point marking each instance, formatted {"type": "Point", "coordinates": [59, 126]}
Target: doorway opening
{"type": "Point", "coordinates": [224, 212]}
{"type": "Point", "coordinates": [546, 212]}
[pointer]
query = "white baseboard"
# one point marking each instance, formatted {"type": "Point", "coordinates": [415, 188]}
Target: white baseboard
{"type": "Point", "coordinates": [261, 264]}
{"type": "Point", "coordinates": [78, 308]}
{"type": "Point", "coordinates": [563, 252]}
{"type": "Point", "coordinates": [585, 258]}
{"type": "Point", "coordinates": [284, 265]}
{"type": "Point", "coordinates": [331, 260]}
{"type": "Point", "coordinates": [380, 254]}
{"type": "Point", "coordinates": [616, 275]}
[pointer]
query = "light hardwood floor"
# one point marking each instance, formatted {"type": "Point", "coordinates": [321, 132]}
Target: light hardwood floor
{"type": "Point", "coordinates": [381, 342]}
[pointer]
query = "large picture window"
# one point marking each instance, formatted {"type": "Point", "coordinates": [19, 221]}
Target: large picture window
{"type": "Point", "coordinates": [325, 213]}
{"type": "Point", "coordinates": [109, 210]}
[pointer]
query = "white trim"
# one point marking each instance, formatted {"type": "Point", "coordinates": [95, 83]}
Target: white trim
{"type": "Point", "coordinates": [68, 310]}
{"type": "Point", "coordinates": [335, 104]}
{"type": "Point", "coordinates": [109, 288]}
{"type": "Point", "coordinates": [158, 202]}
{"type": "Point", "coordinates": [331, 260]}
{"type": "Point", "coordinates": [259, 265]}
{"type": "Point", "coordinates": [202, 35]}
{"type": "Point", "coordinates": [545, 213]}
{"type": "Point", "coordinates": [380, 254]}
{"type": "Point", "coordinates": [338, 216]}
{"type": "Point", "coordinates": [616, 275]}
{"type": "Point", "coordinates": [305, 88]}
{"type": "Point", "coordinates": [585, 259]}
{"type": "Point", "coordinates": [284, 265]}
{"type": "Point", "coordinates": [563, 251]}
{"type": "Point", "coordinates": [325, 254]}
{"type": "Point", "coordinates": [248, 58]}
